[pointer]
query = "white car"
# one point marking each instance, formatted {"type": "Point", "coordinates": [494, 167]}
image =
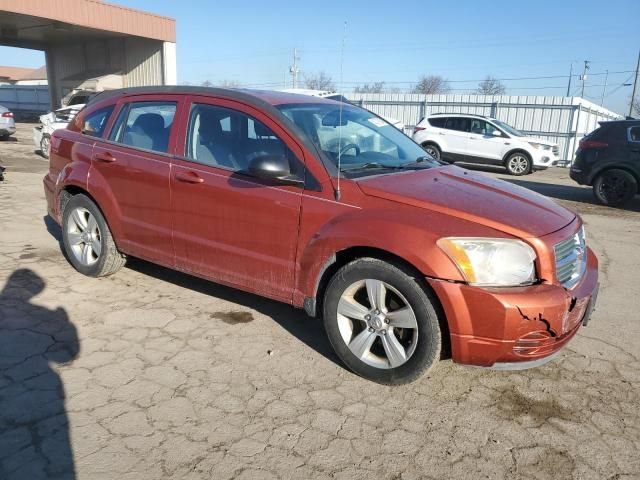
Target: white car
{"type": "Point", "coordinates": [339, 98]}
{"type": "Point", "coordinates": [7, 123]}
{"type": "Point", "coordinates": [469, 138]}
{"type": "Point", "coordinates": [51, 122]}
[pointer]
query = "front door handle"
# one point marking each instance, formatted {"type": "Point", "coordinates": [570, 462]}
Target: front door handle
{"type": "Point", "coordinates": [189, 177]}
{"type": "Point", "coordinates": [105, 157]}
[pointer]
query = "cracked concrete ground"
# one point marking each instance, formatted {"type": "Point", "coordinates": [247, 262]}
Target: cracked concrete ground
{"type": "Point", "coordinates": [152, 374]}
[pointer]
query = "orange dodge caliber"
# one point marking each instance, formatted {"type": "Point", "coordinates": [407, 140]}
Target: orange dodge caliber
{"type": "Point", "coordinates": [327, 207]}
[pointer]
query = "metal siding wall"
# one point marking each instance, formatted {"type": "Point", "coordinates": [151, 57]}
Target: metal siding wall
{"type": "Point", "coordinates": [144, 63]}
{"type": "Point", "coordinates": [551, 118]}
{"type": "Point", "coordinates": [25, 98]}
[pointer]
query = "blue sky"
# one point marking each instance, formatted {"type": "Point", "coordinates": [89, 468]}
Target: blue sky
{"type": "Point", "coordinates": [251, 42]}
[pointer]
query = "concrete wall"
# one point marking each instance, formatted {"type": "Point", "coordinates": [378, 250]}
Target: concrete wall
{"type": "Point", "coordinates": [139, 61]}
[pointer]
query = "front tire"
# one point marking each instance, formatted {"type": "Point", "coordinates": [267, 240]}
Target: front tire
{"type": "Point", "coordinates": [615, 187]}
{"type": "Point", "coordinates": [87, 240]}
{"type": "Point", "coordinates": [381, 322]}
{"type": "Point", "coordinates": [518, 164]}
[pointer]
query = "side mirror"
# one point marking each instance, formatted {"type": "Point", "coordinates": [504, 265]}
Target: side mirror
{"type": "Point", "coordinates": [496, 133]}
{"type": "Point", "coordinates": [273, 167]}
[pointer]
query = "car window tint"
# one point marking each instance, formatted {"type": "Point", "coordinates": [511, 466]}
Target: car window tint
{"type": "Point", "coordinates": [225, 138]}
{"type": "Point", "coordinates": [148, 125]}
{"type": "Point", "coordinates": [634, 134]}
{"type": "Point", "coordinates": [95, 123]}
{"type": "Point", "coordinates": [481, 127]}
{"type": "Point", "coordinates": [460, 124]}
{"type": "Point", "coordinates": [438, 122]}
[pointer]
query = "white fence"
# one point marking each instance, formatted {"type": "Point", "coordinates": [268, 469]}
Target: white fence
{"type": "Point", "coordinates": [25, 99]}
{"type": "Point", "coordinates": [563, 120]}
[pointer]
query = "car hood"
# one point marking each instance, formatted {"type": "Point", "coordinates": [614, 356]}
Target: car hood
{"type": "Point", "coordinates": [474, 197]}
{"type": "Point", "coordinates": [537, 140]}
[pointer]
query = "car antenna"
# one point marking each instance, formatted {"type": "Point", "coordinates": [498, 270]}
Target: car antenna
{"type": "Point", "coordinates": [344, 39]}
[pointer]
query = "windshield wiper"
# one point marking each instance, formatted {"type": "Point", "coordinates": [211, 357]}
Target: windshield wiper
{"type": "Point", "coordinates": [372, 165]}
{"type": "Point", "coordinates": [416, 162]}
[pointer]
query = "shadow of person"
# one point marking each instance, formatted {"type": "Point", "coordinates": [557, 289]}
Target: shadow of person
{"type": "Point", "coordinates": [34, 430]}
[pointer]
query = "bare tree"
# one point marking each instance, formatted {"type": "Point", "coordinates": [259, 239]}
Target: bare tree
{"type": "Point", "coordinates": [636, 106]}
{"type": "Point", "coordinates": [319, 81]}
{"type": "Point", "coordinates": [491, 86]}
{"type": "Point", "coordinates": [375, 87]}
{"type": "Point", "coordinates": [229, 84]}
{"type": "Point", "coordinates": [432, 84]}
{"type": "Point", "coordinates": [207, 83]}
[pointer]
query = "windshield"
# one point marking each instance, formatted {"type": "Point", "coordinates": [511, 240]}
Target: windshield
{"type": "Point", "coordinates": [363, 143]}
{"type": "Point", "coordinates": [508, 128]}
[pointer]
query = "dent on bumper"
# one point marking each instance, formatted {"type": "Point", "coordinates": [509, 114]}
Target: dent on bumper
{"type": "Point", "coordinates": [525, 325]}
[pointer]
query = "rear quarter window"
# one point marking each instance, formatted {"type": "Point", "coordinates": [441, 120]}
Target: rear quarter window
{"type": "Point", "coordinates": [437, 122]}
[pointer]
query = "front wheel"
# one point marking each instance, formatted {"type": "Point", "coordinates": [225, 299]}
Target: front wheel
{"type": "Point", "coordinates": [615, 187]}
{"type": "Point", "coordinates": [381, 322]}
{"type": "Point", "coordinates": [518, 164]}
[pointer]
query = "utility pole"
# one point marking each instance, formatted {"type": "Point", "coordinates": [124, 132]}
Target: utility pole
{"type": "Point", "coordinates": [635, 84]}
{"type": "Point", "coordinates": [294, 69]}
{"type": "Point", "coordinates": [604, 89]}
{"type": "Point", "coordinates": [570, 77]}
{"type": "Point", "coordinates": [584, 76]}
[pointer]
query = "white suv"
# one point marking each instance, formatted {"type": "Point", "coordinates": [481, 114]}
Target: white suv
{"type": "Point", "coordinates": [476, 139]}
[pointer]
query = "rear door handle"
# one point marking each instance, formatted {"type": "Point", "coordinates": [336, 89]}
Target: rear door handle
{"type": "Point", "coordinates": [189, 177]}
{"type": "Point", "coordinates": [104, 157]}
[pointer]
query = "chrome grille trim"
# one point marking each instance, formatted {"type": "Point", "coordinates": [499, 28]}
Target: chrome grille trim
{"type": "Point", "coordinates": [571, 259]}
{"type": "Point", "coordinates": [556, 150]}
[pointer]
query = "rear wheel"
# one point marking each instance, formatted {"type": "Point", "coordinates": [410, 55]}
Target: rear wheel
{"type": "Point", "coordinates": [44, 146]}
{"type": "Point", "coordinates": [87, 239]}
{"type": "Point", "coordinates": [432, 150]}
{"type": "Point", "coordinates": [518, 164]}
{"type": "Point", "coordinates": [615, 187]}
{"type": "Point", "coordinates": [381, 322]}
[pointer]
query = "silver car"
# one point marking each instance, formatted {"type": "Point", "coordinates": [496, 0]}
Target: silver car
{"type": "Point", "coordinates": [7, 123]}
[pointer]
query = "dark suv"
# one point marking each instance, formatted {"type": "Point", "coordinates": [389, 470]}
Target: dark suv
{"type": "Point", "coordinates": [609, 160]}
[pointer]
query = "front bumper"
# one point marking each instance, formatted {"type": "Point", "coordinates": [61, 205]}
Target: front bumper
{"type": "Point", "coordinates": [543, 159]}
{"type": "Point", "coordinates": [515, 328]}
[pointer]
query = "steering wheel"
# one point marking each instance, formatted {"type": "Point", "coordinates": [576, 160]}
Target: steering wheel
{"type": "Point", "coordinates": [348, 147]}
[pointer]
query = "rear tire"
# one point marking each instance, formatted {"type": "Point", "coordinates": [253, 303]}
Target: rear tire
{"type": "Point", "coordinates": [518, 164]}
{"type": "Point", "coordinates": [381, 322]}
{"type": "Point", "coordinates": [44, 146]}
{"type": "Point", "coordinates": [432, 149]}
{"type": "Point", "coordinates": [615, 187]}
{"type": "Point", "coordinates": [87, 240]}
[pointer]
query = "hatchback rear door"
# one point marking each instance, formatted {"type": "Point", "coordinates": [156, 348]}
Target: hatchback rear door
{"type": "Point", "coordinates": [229, 226]}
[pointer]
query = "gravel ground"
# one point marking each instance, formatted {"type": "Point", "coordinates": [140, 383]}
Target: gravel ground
{"type": "Point", "coordinates": [152, 374]}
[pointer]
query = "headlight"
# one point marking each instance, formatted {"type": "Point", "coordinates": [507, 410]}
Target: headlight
{"type": "Point", "coordinates": [491, 261]}
{"type": "Point", "coordinates": [539, 146]}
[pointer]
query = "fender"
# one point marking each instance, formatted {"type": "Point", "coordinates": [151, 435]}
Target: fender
{"type": "Point", "coordinates": [414, 240]}
{"type": "Point", "coordinates": [101, 192]}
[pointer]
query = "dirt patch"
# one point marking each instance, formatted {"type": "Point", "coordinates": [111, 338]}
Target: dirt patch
{"type": "Point", "coordinates": [233, 318]}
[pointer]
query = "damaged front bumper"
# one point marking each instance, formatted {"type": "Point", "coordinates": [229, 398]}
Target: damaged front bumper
{"type": "Point", "coordinates": [515, 328]}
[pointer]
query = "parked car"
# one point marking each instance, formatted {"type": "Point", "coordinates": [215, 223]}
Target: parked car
{"type": "Point", "coordinates": [608, 159]}
{"type": "Point", "coordinates": [402, 256]}
{"type": "Point", "coordinates": [51, 122]}
{"type": "Point", "coordinates": [7, 123]}
{"type": "Point", "coordinates": [339, 98]}
{"type": "Point", "coordinates": [476, 139]}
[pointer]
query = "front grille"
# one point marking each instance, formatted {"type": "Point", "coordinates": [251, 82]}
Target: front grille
{"type": "Point", "coordinates": [571, 259]}
{"type": "Point", "coordinates": [556, 150]}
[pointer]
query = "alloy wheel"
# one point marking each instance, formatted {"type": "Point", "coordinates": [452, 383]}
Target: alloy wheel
{"type": "Point", "coordinates": [518, 164]}
{"type": "Point", "coordinates": [84, 236]}
{"type": "Point", "coordinates": [377, 324]}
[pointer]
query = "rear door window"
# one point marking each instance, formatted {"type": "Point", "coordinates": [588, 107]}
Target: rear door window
{"type": "Point", "coordinates": [147, 125]}
{"type": "Point", "coordinates": [95, 123]}
{"type": "Point", "coordinates": [460, 124]}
